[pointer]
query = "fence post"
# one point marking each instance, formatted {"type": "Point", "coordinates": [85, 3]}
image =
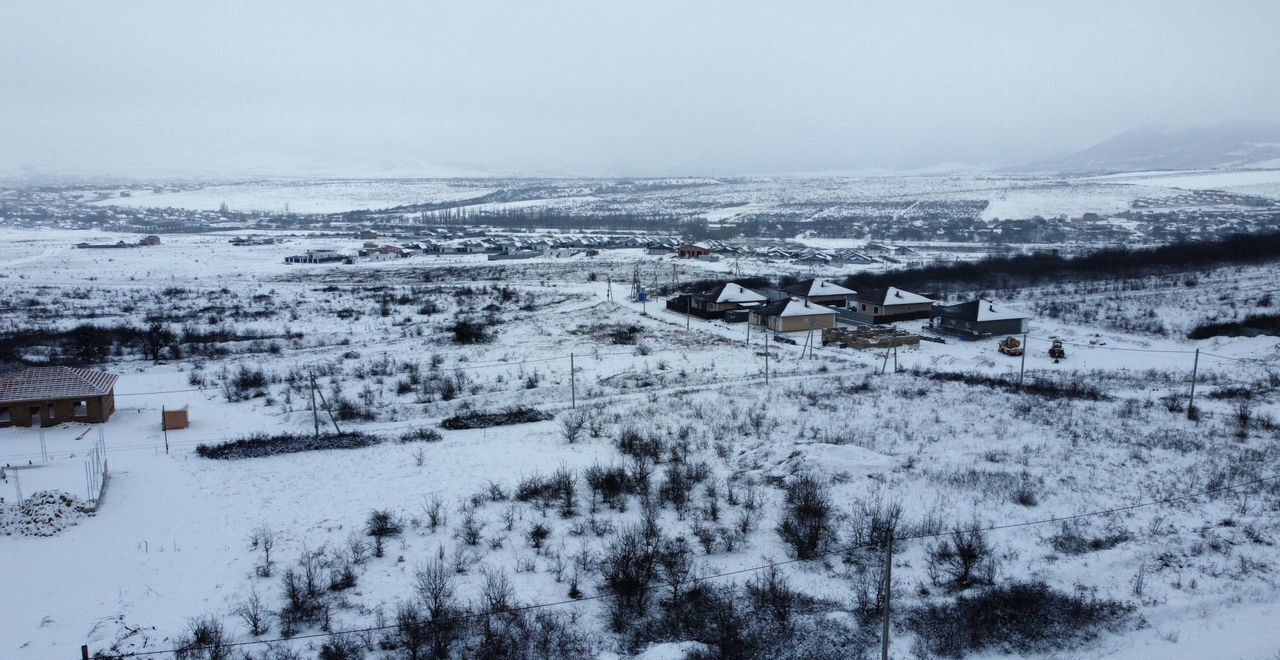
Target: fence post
{"type": "Point", "coordinates": [1191, 405]}
{"type": "Point", "coordinates": [573, 384]}
{"type": "Point", "coordinates": [888, 592]}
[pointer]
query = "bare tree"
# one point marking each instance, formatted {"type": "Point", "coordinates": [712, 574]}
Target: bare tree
{"type": "Point", "coordinates": [263, 538]}
{"type": "Point", "coordinates": [572, 424]}
{"type": "Point", "coordinates": [254, 613]}
{"type": "Point", "coordinates": [380, 526]}
{"type": "Point", "coordinates": [205, 639]}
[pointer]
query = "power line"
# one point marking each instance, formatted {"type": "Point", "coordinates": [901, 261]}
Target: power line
{"type": "Point", "coordinates": [740, 571]}
{"type": "Point", "coordinates": [1236, 359]}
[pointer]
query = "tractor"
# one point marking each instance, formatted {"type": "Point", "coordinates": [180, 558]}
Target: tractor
{"type": "Point", "coordinates": [1011, 346]}
{"type": "Point", "coordinates": [1056, 351]}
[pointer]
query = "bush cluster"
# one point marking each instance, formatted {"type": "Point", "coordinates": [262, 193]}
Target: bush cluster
{"type": "Point", "coordinates": [262, 444]}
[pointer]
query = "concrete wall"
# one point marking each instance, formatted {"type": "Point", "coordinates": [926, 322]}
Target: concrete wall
{"type": "Point", "coordinates": [976, 329]}
{"type": "Point", "coordinates": [801, 323]}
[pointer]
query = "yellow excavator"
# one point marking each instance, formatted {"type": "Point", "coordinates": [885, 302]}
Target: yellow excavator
{"type": "Point", "coordinates": [1011, 346]}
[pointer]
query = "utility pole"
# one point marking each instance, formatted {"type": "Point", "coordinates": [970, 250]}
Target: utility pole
{"type": "Point", "coordinates": [748, 330]}
{"type": "Point", "coordinates": [573, 384]}
{"type": "Point", "coordinates": [315, 414]}
{"type": "Point", "coordinates": [1022, 369]}
{"type": "Point", "coordinates": [327, 410]}
{"type": "Point", "coordinates": [1195, 367]}
{"type": "Point", "coordinates": [84, 652]}
{"type": "Point", "coordinates": [888, 592]}
{"type": "Point", "coordinates": [766, 359]}
{"type": "Point", "coordinates": [885, 365]}
{"type": "Point", "coordinates": [895, 358]}
{"type": "Point", "coordinates": [165, 425]}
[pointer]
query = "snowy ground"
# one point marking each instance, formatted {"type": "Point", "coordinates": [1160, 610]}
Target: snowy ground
{"type": "Point", "coordinates": [322, 196]}
{"type": "Point", "coordinates": [170, 541]}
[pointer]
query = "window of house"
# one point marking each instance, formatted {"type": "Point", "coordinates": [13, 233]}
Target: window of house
{"type": "Point", "coordinates": [4, 416]}
{"type": "Point", "coordinates": [82, 409]}
{"type": "Point", "coordinates": [877, 310]}
{"type": "Point", "coordinates": [52, 414]}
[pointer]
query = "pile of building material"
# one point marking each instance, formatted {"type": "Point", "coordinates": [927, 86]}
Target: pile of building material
{"type": "Point", "coordinates": [865, 337]}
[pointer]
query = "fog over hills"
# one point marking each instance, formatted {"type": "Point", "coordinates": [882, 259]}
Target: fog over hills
{"type": "Point", "coordinates": [1151, 148]}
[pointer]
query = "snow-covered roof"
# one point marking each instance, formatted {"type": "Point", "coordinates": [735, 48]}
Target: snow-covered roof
{"type": "Point", "coordinates": [983, 310]}
{"type": "Point", "coordinates": [818, 287]}
{"type": "Point", "coordinates": [43, 383]}
{"type": "Point", "coordinates": [795, 307]}
{"type": "Point", "coordinates": [736, 293]}
{"type": "Point", "coordinates": [893, 296]}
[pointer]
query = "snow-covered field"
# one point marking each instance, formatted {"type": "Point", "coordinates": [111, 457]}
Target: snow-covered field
{"type": "Point", "coordinates": [171, 540]}
{"type": "Point", "coordinates": [716, 200]}
{"type": "Point", "coordinates": [321, 196]}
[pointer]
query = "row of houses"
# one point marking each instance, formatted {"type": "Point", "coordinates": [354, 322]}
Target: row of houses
{"type": "Point", "coordinates": [711, 250]}
{"type": "Point", "coordinates": [145, 241]}
{"type": "Point", "coordinates": [506, 247]}
{"type": "Point", "coordinates": [819, 303]}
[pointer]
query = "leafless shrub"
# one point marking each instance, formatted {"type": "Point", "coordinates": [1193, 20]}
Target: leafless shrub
{"type": "Point", "coordinates": [205, 639]}
{"type": "Point", "coordinates": [965, 559]}
{"type": "Point", "coordinates": [435, 511]}
{"type": "Point", "coordinates": [572, 424]}
{"type": "Point", "coordinates": [254, 614]}
{"type": "Point", "coordinates": [806, 524]}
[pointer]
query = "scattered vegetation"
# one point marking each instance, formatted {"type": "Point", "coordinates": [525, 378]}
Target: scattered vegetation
{"type": "Point", "coordinates": [481, 420]}
{"type": "Point", "coordinates": [261, 444]}
{"type": "Point", "coordinates": [1016, 619]}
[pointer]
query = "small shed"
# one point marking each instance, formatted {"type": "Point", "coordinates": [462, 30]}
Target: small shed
{"type": "Point", "coordinates": [174, 419]}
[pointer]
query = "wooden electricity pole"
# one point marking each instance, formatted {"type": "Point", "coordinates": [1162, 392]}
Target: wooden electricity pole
{"type": "Point", "coordinates": [888, 592]}
{"type": "Point", "coordinates": [1195, 367]}
{"type": "Point", "coordinates": [766, 359]}
{"type": "Point", "coordinates": [1023, 368]}
{"type": "Point", "coordinates": [573, 384]}
{"type": "Point", "coordinates": [315, 414]}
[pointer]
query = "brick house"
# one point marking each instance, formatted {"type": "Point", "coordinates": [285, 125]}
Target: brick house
{"type": "Point", "coordinates": [48, 396]}
{"type": "Point", "coordinates": [888, 306]}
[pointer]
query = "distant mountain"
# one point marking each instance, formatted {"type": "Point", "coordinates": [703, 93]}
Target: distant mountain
{"type": "Point", "coordinates": [1206, 147]}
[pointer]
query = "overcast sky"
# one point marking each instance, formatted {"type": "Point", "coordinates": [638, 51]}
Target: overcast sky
{"type": "Point", "coordinates": [612, 88]}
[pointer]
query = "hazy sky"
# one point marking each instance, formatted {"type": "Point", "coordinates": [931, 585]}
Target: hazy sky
{"type": "Point", "coordinates": [611, 87]}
